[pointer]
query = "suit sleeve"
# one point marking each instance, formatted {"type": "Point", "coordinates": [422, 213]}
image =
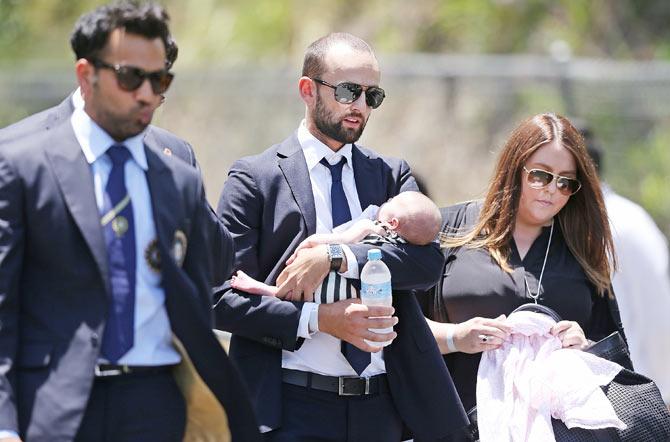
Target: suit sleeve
{"type": "Point", "coordinates": [412, 267]}
{"type": "Point", "coordinates": [11, 258]}
{"type": "Point", "coordinates": [198, 251]}
{"type": "Point", "coordinates": [220, 242]}
{"type": "Point", "coordinates": [265, 319]}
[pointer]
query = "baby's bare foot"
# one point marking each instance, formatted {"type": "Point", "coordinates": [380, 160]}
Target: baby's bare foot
{"type": "Point", "coordinates": [246, 283]}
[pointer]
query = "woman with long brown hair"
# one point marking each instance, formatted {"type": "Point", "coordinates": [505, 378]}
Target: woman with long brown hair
{"type": "Point", "coordinates": [540, 235]}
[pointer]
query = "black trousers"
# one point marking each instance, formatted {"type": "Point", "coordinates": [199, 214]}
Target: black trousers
{"type": "Point", "coordinates": [317, 416]}
{"type": "Point", "coordinates": [134, 408]}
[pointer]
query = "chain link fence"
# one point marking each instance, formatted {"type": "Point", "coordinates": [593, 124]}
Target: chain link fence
{"type": "Point", "coordinates": [447, 115]}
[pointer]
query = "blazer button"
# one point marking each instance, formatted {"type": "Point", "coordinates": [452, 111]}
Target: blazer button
{"type": "Point", "coordinates": [95, 340]}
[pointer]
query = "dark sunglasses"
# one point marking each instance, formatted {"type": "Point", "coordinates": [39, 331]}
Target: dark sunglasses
{"type": "Point", "coordinates": [538, 179]}
{"type": "Point", "coordinates": [346, 93]}
{"type": "Point", "coordinates": [130, 78]}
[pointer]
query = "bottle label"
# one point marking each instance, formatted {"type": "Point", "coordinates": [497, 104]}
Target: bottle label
{"type": "Point", "coordinates": [377, 291]}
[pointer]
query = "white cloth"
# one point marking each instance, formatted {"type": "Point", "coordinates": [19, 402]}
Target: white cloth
{"type": "Point", "coordinates": [642, 288]}
{"type": "Point", "coordinates": [530, 379]}
{"type": "Point", "coordinates": [320, 353]}
{"type": "Point", "coordinates": [153, 335]}
{"type": "Point", "coordinates": [370, 213]}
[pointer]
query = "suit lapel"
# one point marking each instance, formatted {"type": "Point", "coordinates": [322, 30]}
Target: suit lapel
{"type": "Point", "coordinates": [75, 179]}
{"type": "Point", "coordinates": [162, 188]}
{"type": "Point", "coordinates": [294, 167]}
{"type": "Point", "coordinates": [368, 179]}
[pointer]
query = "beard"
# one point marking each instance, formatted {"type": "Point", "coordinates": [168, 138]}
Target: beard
{"type": "Point", "coordinates": [330, 126]}
{"type": "Point", "coordinates": [119, 125]}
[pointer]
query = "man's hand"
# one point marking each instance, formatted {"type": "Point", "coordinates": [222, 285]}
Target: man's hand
{"type": "Point", "coordinates": [298, 280]}
{"type": "Point", "coordinates": [309, 242]}
{"type": "Point", "coordinates": [350, 321]}
{"type": "Point", "coordinates": [10, 439]}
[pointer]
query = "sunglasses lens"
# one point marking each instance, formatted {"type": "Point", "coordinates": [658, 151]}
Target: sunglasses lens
{"type": "Point", "coordinates": [567, 186]}
{"type": "Point", "coordinates": [160, 81]}
{"type": "Point", "coordinates": [347, 92]}
{"type": "Point", "coordinates": [374, 97]}
{"type": "Point", "coordinates": [129, 78]}
{"type": "Point", "coordinates": [539, 178]}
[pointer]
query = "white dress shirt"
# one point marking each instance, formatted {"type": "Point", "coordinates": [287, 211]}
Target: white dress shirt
{"type": "Point", "coordinates": [642, 287]}
{"type": "Point", "coordinates": [320, 353]}
{"type": "Point", "coordinates": [153, 335]}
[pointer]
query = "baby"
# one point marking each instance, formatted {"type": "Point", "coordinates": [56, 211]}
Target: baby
{"type": "Point", "coordinates": [410, 217]}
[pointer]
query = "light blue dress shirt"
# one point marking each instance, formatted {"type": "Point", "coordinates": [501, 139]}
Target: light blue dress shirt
{"type": "Point", "coordinates": [153, 335]}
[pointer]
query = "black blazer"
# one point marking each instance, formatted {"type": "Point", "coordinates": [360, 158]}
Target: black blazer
{"type": "Point", "coordinates": [54, 283]}
{"type": "Point", "coordinates": [268, 206]}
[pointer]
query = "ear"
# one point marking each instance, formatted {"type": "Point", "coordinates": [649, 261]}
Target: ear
{"type": "Point", "coordinates": [85, 72]}
{"type": "Point", "coordinates": [393, 223]}
{"type": "Point", "coordinates": [307, 89]}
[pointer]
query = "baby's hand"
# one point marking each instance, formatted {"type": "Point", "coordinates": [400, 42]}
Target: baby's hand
{"type": "Point", "coordinates": [381, 228]}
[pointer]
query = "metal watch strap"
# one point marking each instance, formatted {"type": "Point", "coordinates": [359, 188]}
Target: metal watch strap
{"type": "Point", "coordinates": [335, 255]}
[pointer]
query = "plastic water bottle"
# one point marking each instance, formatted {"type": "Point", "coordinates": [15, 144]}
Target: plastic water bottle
{"type": "Point", "coordinates": [376, 288]}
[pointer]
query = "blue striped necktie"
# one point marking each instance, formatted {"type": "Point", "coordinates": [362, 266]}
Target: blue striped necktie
{"type": "Point", "coordinates": [358, 359]}
{"type": "Point", "coordinates": [119, 230]}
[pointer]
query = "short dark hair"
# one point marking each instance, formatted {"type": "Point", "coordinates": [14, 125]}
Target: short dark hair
{"type": "Point", "coordinates": [313, 66]}
{"type": "Point", "coordinates": [593, 147]}
{"type": "Point", "coordinates": [149, 20]}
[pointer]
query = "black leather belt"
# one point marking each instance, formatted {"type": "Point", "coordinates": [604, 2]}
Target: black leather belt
{"type": "Point", "coordinates": [342, 385]}
{"type": "Point", "coordinates": [107, 370]}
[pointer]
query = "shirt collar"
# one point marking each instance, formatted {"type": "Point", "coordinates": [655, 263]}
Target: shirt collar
{"type": "Point", "coordinates": [94, 141]}
{"type": "Point", "coordinates": [77, 99]}
{"type": "Point", "coordinates": [315, 150]}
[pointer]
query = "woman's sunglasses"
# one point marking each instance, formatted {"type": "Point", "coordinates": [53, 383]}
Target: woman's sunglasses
{"type": "Point", "coordinates": [347, 92]}
{"type": "Point", "coordinates": [130, 78]}
{"type": "Point", "coordinates": [538, 179]}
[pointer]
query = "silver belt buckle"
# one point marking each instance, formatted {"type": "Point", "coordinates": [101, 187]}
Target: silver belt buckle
{"type": "Point", "coordinates": [110, 372]}
{"type": "Point", "coordinates": [340, 386]}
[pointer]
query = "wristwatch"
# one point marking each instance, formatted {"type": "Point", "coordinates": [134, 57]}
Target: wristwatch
{"type": "Point", "coordinates": [335, 255]}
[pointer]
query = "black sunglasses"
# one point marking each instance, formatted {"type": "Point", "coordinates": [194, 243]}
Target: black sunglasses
{"type": "Point", "coordinates": [538, 179]}
{"type": "Point", "coordinates": [347, 92]}
{"type": "Point", "coordinates": [130, 78]}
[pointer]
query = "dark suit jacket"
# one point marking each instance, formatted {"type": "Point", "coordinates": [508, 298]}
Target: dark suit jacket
{"type": "Point", "coordinates": [54, 283]}
{"type": "Point", "coordinates": [268, 206]}
{"type": "Point", "coordinates": [220, 241]}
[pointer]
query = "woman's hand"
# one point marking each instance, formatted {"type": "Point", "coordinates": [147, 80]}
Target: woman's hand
{"type": "Point", "coordinates": [479, 334]}
{"type": "Point", "coordinates": [570, 334]}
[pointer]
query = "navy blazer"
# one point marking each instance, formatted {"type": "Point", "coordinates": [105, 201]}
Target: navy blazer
{"type": "Point", "coordinates": [268, 205]}
{"type": "Point", "coordinates": [54, 282]}
{"type": "Point", "coordinates": [220, 241]}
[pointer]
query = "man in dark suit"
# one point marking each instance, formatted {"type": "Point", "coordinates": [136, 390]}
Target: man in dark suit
{"type": "Point", "coordinates": [311, 374]}
{"type": "Point", "coordinates": [220, 244]}
{"type": "Point", "coordinates": [104, 261]}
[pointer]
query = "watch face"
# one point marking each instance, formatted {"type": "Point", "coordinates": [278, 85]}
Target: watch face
{"type": "Point", "coordinates": [336, 255]}
{"type": "Point", "coordinates": [335, 251]}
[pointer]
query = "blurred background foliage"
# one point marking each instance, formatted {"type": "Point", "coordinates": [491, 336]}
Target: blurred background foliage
{"type": "Point", "coordinates": [247, 50]}
{"type": "Point", "coordinates": [242, 29]}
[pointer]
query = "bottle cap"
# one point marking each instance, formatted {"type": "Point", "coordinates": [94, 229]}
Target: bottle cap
{"type": "Point", "coordinates": [374, 254]}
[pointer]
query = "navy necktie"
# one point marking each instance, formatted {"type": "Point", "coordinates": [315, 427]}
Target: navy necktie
{"type": "Point", "coordinates": [340, 206]}
{"type": "Point", "coordinates": [358, 359]}
{"type": "Point", "coordinates": [119, 231]}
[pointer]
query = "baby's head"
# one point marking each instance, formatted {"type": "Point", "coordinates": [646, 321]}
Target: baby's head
{"type": "Point", "coordinates": [413, 216]}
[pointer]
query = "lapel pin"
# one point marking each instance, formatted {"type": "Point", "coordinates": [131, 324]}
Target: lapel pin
{"type": "Point", "coordinates": [152, 256]}
{"type": "Point", "coordinates": [179, 245]}
{"type": "Point", "coordinates": [167, 151]}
